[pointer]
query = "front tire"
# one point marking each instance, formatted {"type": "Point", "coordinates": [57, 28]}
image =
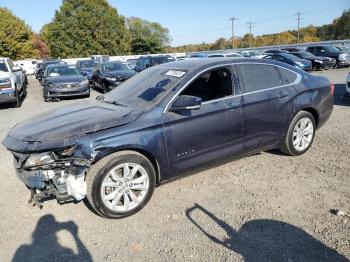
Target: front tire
{"type": "Point", "coordinates": [120, 184]}
{"type": "Point", "coordinates": [301, 134]}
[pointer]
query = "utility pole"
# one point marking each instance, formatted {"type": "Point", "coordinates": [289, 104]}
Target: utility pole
{"type": "Point", "coordinates": [298, 15]}
{"type": "Point", "coordinates": [233, 31]}
{"type": "Point", "coordinates": [250, 26]}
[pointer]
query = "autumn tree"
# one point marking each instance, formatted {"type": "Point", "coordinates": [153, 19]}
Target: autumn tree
{"type": "Point", "coordinates": [16, 38]}
{"type": "Point", "coordinates": [84, 27]}
{"type": "Point", "coordinates": [41, 46]}
{"type": "Point", "coordinates": [219, 44]}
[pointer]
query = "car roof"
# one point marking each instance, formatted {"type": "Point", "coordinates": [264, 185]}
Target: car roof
{"type": "Point", "coordinates": [198, 64]}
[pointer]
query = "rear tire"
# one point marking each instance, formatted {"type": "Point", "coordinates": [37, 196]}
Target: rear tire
{"type": "Point", "coordinates": [112, 193]}
{"type": "Point", "coordinates": [300, 135]}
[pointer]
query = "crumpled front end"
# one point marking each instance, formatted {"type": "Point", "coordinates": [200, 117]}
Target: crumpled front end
{"type": "Point", "coordinates": [57, 174]}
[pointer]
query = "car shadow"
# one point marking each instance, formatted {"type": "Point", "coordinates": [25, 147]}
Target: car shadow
{"type": "Point", "coordinates": [45, 246]}
{"type": "Point", "coordinates": [264, 239]}
{"type": "Point", "coordinates": [340, 96]}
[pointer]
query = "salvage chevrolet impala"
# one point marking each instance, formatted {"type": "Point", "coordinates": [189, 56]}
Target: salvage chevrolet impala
{"type": "Point", "coordinates": [164, 122]}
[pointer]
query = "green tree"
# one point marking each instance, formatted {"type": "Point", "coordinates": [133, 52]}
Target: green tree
{"type": "Point", "coordinates": [16, 38]}
{"type": "Point", "coordinates": [84, 27]}
{"type": "Point", "coordinates": [342, 26]}
{"type": "Point", "coordinates": [146, 36]}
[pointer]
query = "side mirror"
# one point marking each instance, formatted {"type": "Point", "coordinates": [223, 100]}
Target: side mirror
{"type": "Point", "coordinates": [186, 102]}
{"type": "Point", "coordinates": [147, 65]}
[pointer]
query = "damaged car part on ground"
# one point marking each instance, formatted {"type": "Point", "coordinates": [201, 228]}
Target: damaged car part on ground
{"type": "Point", "coordinates": [167, 121]}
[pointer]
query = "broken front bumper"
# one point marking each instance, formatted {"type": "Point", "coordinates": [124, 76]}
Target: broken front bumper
{"type": "Point", "coordinates": [63, 179]}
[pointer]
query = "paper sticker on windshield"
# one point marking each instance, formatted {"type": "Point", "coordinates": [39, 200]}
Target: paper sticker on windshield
{"type": "Point", "coordinates": [175, 73]}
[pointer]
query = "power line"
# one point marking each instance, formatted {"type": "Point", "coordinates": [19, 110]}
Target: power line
{"type": "Point", "coordinates": [250, 26]}
{"type": "Point", "coordinates": [298, 19]}
{"type": "Point", "coordinates": [233, 31]}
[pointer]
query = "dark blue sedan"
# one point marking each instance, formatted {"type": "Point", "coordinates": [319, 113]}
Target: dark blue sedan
{"type": "Point", "coordinates": [291, 59]}
{"type": "Point", "coordinates": [164, 122]}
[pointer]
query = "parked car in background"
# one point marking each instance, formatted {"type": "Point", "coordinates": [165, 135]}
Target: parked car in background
{"type": "Point", "coordinates": [28, 65]}
{"type": "Point", "coordinates": [164, 122]}
{"type": "Point", "coordinates": [228, 54]}
{"type": "Point", "coordinates": [341, 48]}
{"type": "Point", "coordinates": [275, 51]}
{"type": "Point", "coordinates": [342, 58]}
{"type": "Point", "coordinates": [292, 49]}
{"type": "Point", "coordinates": [251, 53]}
{"type": "Point", "coordinates": [13, 83]}
{"type": "Point", "coordinates": [148, 61]}
{"type": "Point", "coordinates": [198, 55]}
{"type": "Point", "coordinates": [38, 66]}
{"type": "Point", "coordinates": [86, 67]}
{"type": "Point", "coordinates": [290, 59]}
{"type": "Point", "coordinates": [63, 81]}
{"type": "Point", "coordinates": [132, 62]}
{"type": "Point", "coordinates": [107, 76]}
{"type": "Point", "coordinates": [318, 62]}
{"type": "Point", "coordinates": [347, 83]}
{"type": "Point", "coordinates": [44, 65]}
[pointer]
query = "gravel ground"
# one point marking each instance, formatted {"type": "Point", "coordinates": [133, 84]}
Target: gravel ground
{"type": "Point", "coordinates": [267, 207]}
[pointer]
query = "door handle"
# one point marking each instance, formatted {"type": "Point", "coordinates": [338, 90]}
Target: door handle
{"type": "Point", "coordinates": [282, 94]}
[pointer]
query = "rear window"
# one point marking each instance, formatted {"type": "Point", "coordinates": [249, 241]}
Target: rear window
{"type": "Point", "coordinates": [256, 77]}
{"type": "Point", "coordinates": [87, 64]}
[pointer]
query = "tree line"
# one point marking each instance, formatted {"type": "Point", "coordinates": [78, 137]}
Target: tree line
{"type": "Point", "coordinates": [81, 28]}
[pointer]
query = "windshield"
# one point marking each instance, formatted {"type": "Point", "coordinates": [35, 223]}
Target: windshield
{"type": "Point", "coordinates": [116, 67]}
{"type": "Point", "coordinates": [3, 67]}
{"type": "Point", "coordinates": [45, 65]}
{"type": "Point", "coordinates": [289, 56]}
{"type": "Point", "coordinates": [87, 64]}
{"type": "Point", "coordinates": [306, 55]}
{"type": "Point", "coordinates": [331, 49]}
{"type": "Point", "coordinates": [161, 60]}
{"type": "Point", "coordinates": [62, 71]}
{"type": "Point", "coordinates": [146, 88]}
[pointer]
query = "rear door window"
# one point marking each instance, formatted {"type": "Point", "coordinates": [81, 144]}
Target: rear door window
{"type": "Point", "coordinates": [257, 77]}
{"type": "Point", "coordinates": [288, 77]}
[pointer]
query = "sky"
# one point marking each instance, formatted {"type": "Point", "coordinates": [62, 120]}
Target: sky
{"type": "Point", "coordinates": [197, 21]}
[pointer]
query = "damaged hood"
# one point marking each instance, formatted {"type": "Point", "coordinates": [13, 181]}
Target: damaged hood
{"type": "Point", "coordinates": [71, 121]}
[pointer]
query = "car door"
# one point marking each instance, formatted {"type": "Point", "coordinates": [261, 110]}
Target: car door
{"type": "Point", "coordinates": [266, 102]}
{"type": "Point", "coordinates": [212, 132]}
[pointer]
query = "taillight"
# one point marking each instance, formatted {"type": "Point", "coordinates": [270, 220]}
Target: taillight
{"type": "Point", "coordinates": [332, 88]}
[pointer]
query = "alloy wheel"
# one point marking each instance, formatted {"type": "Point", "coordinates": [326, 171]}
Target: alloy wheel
{"type": "Point", "coordinates": [125, 187]}
{"type": "Point", "coordinates": [303, 134]}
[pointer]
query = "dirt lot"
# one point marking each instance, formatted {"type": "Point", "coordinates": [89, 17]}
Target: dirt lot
{"type": "Point", "coordinates": [268, 207]}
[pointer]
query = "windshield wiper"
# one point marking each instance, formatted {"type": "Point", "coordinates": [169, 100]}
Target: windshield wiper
{"type": "Point", "coordinates": [102, 99]}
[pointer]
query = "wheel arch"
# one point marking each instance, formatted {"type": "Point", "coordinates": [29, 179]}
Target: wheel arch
{"type": "Point", "coordinates": [313, 112]}
{"type": "Point", "coordinates": [139, 150]}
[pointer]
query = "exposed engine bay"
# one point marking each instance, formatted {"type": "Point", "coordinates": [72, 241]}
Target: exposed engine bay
{"type": "Point", "coordinates": [50, 175]}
